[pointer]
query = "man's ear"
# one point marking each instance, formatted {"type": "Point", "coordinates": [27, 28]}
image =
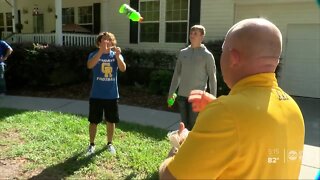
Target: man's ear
{"type": "Point", "coordinates": [234, 57]}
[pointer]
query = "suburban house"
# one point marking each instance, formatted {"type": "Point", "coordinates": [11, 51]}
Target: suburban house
{"type": "Point", "coordinates": [166, 24]}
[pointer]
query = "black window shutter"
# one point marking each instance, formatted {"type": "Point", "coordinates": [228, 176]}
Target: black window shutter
{"type": "Point", "coordinates": [96, 18]}
{"type": "Point", "coordinates": [134, 25]}
{"type": "Point", "coordinates": [194, 14]}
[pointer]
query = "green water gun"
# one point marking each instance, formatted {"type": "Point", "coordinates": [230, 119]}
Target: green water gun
{"type": "Point", "coordinates": [172, 99]}
{"type": "Point", "coordinates": [130, 12]}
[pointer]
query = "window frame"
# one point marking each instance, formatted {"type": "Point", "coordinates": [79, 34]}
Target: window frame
{"type": "Point", "coordinates": [69, 16]}
{"type": "Point", "coordinates": [177, 21]}
{"type": "Point", "coordinates": [79, 16]}
{"type": "Point", "coordinates": [8, 28]}
{"type": "Point", "coordinates": [163, 22]}
{"type": "Point", "coordinates": [150, 21]}
{"type": "Point", "coordinates": [87, 25]}
{"type": "Point", "coordinates": [2, 27]}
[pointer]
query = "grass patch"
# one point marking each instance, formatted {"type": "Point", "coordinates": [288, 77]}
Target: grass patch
{"type": "Point", "coordinates": [54, 144]}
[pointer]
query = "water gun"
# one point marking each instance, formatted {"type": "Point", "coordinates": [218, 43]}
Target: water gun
{"type": "Point", "coordinates": [172, 99]}
{"type": "Point", "coordinates": [130, 12]}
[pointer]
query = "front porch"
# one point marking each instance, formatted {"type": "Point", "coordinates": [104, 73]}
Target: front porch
{"type": "Point", "coordinates": [68, 39]}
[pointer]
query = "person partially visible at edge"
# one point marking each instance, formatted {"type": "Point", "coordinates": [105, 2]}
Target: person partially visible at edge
{"type": "Point", "coordinates": [104, 94]}
{"type": "Point", "coordinates": [195, 64]}
{"type": "Point", "coordinates": [257, 130]}
{"type": "Point", "coordinates": [5, 51]}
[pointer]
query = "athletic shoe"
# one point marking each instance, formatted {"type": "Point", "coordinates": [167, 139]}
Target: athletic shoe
{"type": "Point", "coordinates": [111, 149]}
{"type": "Point", "coordinates": [90, 150]}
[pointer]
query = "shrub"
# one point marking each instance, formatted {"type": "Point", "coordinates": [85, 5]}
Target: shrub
{"type": "Point", "coordinates": [215, 47]}
{"type": "Point", "coordinates": [36, 65]}
{"type": "Point", "coordinates": [160, 81]}
{"type": "Point", "coordinates": [150, 59]}
{"type": "Point", "coordinates": [42, 66]}
{"type": "Point", "coordinates": [141, 65]}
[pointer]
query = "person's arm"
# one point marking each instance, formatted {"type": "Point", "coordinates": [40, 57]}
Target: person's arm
{"type": "Point", "coordinates": [164, 173]}
{"type": "Point", "coordinates": [9, 51]}
{"type": "Point", "coordinates": [120, 60]}
{"type": "Point", "coordinates": [94, 59]}
{"type": "Point", "coordinates": [199, 99]}
{"type": "Point", "coordinates": [208, 150]}
{"type": "Point", "coordinates": [175, 78]}
{"type": "Point", "coordinates": [211, 71]}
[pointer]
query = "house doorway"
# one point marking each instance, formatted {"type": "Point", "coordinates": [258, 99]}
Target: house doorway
{"type": "Point", "coordinates": [38, 23]}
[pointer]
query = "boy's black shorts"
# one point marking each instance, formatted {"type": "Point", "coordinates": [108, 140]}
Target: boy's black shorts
{"type": "Point", "coordinates": [107, 106]}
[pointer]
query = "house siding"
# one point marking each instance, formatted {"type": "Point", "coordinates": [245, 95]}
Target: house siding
{"type": "Point", "coordinates": [217, 17]}
{"type": "Point", "coordinates": [49, 17]}
{"type": "Point", "coordinates": [280, 14]}
{"type": "Point", "coordinates": [115, 22]}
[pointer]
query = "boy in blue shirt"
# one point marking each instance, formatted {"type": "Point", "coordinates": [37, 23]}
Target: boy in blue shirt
{"type": "Point", "coordinates": [104, 95]}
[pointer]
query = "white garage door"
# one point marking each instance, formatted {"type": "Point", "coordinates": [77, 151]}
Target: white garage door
{"type": "Point", "coordinates": [300, 73]}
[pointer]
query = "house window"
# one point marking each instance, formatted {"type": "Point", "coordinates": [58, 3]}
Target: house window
{"type": "Point", "coordinates": [85, 16]}
{"type": "Point", "coordinates": [9, 22]}
{"type": "Point", "coordinates": [176, 21]}
{"type": "Point", "coordinates": [149, 28]}
{"type": "Point", "coordinates": [68, 15]}
{"type": "Point", "coordinates": [1, 22]}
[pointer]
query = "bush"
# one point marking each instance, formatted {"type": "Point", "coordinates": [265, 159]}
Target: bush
{"type": "Point", "coordinates": [141, 65]}
{"type": "Point", "coordinates": [150, 59]}
{"type": "Point", "coordinates": [160, 81]}
{"type": "Point", "coordinates": [41, 66]}
{"type": "Point", "coordinates": [215, 47]}
{"type": "Point", "coordinates": [37, 65]}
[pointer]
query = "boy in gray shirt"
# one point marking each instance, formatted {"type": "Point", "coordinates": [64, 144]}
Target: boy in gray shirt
{"type": "Point", "coordinates": [195, 64]}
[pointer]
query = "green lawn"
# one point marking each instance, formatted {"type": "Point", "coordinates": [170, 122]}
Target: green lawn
{"type": "Point", "coordinates": [54, 145]}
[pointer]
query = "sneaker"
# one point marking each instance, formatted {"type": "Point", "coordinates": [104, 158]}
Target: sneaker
{"type": "Point", "coordinates": [90, 150]}
{"type": "Point", "coordinates": [111, 149]}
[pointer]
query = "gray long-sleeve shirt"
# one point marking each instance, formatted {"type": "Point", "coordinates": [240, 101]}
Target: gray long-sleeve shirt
{"type": "Point", "coordinates": [193, 68]}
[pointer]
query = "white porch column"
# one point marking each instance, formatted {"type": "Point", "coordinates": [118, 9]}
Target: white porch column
{"type": "Point", "coordinates": [14, 15]}
{"type": "Point", "coordinates": [104, 15]}
{"type": "Point", "coordinates": [58, 35]}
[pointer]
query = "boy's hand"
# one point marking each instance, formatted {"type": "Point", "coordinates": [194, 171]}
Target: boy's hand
{"type": "Point", "coordinates": [117, 50]}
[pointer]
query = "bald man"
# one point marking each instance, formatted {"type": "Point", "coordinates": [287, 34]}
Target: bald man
{"type": "Point", "coordinates": [255, 132]}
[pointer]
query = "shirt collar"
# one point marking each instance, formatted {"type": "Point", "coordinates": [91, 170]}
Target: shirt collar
{"type": "Point", "coordinates": [257, 80]}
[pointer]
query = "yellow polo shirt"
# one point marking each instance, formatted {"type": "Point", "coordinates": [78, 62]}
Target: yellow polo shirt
{"type": "Point", "coordinates": [256, 132]}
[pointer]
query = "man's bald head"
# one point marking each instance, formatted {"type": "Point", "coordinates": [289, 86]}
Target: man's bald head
{"type": "Point", "coordinates": [251, 46]}
{"type": "Point", "coordinates": [257, 38]}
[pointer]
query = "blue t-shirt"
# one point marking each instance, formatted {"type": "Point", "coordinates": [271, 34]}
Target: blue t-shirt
{"type": "Point", "coordinates": [105, 72]}
{"type": "Point", "coordinates": [3, 49]}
